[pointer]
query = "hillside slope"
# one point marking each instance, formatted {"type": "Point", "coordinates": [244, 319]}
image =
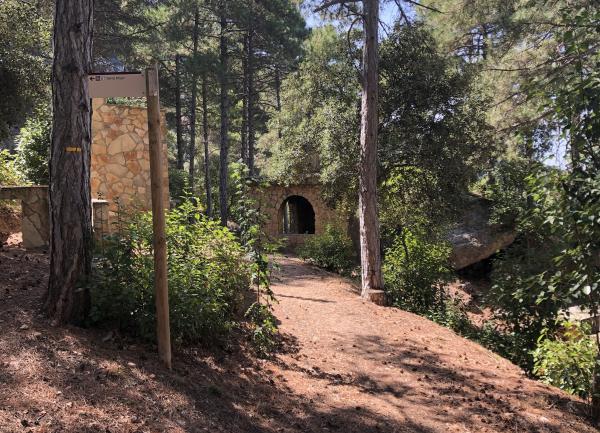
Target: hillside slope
{"type": "Point", "coordinates": [348, 366]}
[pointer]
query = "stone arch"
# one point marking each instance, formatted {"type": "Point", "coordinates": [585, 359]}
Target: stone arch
{"type": "Point", "coordinates": [296, 216]}
{"type": "Point", "coordinates": [271, 199]}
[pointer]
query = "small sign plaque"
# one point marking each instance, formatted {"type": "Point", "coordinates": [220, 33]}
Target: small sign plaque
{"type": "Point", "coordinates": [107, 85]}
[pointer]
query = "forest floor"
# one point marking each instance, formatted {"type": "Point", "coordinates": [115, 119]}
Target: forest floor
{"type": "Point", "coordinates": [346, 366]}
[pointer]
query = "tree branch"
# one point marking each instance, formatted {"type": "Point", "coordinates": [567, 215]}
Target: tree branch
{"type": "Point", "coordinates": [330, 3]}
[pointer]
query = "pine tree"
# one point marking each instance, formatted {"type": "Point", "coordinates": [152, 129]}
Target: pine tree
{"type": "Point", "coordinates": [70, 200]}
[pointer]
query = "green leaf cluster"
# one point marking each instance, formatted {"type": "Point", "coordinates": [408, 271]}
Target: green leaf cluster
{"type": "Point", "coordinates": [567, 359]}
{"type": "Point", "coordinates": [33, 147]}
{"type": "Point", "coordinates": [415, 269]}
{"type": "Point", "coordinates": [9, 170]}
{"type": "Point", "coordinates": [332, 250]}
{"type": "Point", "coordinates": [208, 276]}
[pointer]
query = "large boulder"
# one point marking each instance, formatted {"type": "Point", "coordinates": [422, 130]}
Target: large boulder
{"type": "Point", "coordinates": [474, 239]}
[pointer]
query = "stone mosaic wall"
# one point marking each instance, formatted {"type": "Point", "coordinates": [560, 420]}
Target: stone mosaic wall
{"type": "Point", "coordinates": [120, 167]}
{"type": "Point", "coordinates": [272, 198]}
{"type": "Point", "coordinates": [35, 217]}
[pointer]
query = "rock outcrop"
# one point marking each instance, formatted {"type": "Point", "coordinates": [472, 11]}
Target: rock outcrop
{"type": "Point", "coordinates": [474, 239]}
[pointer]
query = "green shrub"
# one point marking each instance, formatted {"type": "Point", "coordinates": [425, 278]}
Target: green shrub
{"type": "Point", "coordinates": [264, 328]}
{"type": "Point", "coordinates": [179, 182]}
{"type": "Point", "coordinates": [207, 276]}
{"type": "Point", "coordinates": [506, 187]}
{"type": "Point", "coordinates": [34, 147]}
{"type": "Point", "coordinates": [332, 250]}
{"type": "Point", "coordinates": [9, 172]}
{"type": "Point", "coordinates": [414, 270]}
{"type": "Point", "coordinates": [568, 360]}
{"type": "Point", "coordinates": [453, 315]}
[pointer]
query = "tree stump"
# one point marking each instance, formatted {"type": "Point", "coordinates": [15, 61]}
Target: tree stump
{"type": "Point", "coordinates": [377, 297]}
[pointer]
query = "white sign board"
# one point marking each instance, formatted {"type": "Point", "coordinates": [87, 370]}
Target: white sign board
{"type": "Point", "coordinates": [107, 85]}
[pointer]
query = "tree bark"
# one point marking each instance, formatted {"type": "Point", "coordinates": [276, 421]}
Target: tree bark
{"type": "Point", "coordinates": [372, 280]}
{"type": "Point", "coordinates": [192, 167]}
{"type": "Point", "coordinates": [205, 142]}
{"type": "Point", "coordinates": [277, 89]}
{"type": "Point", "coordinates": [251, 100]}
{"type": "Point", "coordinates": [67, 300]}
{"type": "Point", "coordinates": [180, 147]}
{"type": "Point", "coordinates": [278, 96]}
{"type": "Point", "coordinates": [244, 129]}
{"type": "Point", "coordinates": [224, 107]}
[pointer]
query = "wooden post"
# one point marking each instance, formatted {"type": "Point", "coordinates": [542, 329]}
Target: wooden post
{"type": "Point", "coordinates": [163, 333]}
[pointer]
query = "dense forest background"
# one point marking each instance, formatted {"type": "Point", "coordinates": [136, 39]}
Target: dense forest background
{"type": "Point", "coordinates": [495, 99]}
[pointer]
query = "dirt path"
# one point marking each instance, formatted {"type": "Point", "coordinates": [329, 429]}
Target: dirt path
{"type": "Point", "coordinates": [348, 367]}
{"type": "Point", "coordinates": [372, 368]}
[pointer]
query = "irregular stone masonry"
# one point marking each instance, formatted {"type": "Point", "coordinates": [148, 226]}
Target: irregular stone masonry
{"type": "Point", "coordinates": [271, 200]}
{"type": "Point", "coordinates": [120, 178]}
{"type": "Point", "coordinates": [120, 169]}
{"type": "Point", "coordinates": [35, 224]}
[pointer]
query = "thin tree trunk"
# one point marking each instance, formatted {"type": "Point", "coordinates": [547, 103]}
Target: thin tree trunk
{"type": "Point", "coordinates": [224, 106]}
{"type": "Point", "coordinates": [244, 129]}
{"type": "Point", "coordinates": [277, 89]}
{"type": "Point", "coordinates": [180, 146]}
{"type": "Point", "coordinates": [67, 301]}
{"type": "Point", "coordinates": [369, 224]}
{"type": "Point", "coordinates": [574, 143]}
{"type": "Point", "coordinates": [251, 100]}
{"type": "Point", "coordinates": [193, 102]}
{"type": "Point", "coordinates": [595, 407]}
{"type": "Point", "coordinates": [205, 141]}
{"type": "Point", "coordinates": [278, 96]}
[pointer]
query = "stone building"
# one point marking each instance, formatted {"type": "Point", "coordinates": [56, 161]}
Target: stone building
{"type": "Point", "coordinates": [120, 172]}
{"type": "Point", "coordinates": [120, 176]}
{"type": "Point", "coordinates": [296, 212]}
{"type": "Point", "coordinates": [120, 169]}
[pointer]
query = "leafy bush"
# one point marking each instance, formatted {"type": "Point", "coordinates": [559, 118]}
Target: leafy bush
{"type": "Point", "coordinates": [179, 182]}
{"type": "Point", "coordinates": [414, 271]}
{"type": "Point", "coordinates": [9, 172]}
{"type": "Point", "coordinates": [568, 360]}
{"type": "Point", "coordinates": [207, 276]}
{"type": "Point", "coordinates": [493, 334]}
{"type": "Point", "coordinates": [332, 250]}
{"type": "Point", "coordinates": [34, 147]}
{"type": "Point", "coordinates": [506, 187]}
{"type": "Point", "coordinates": [264, 328]}
{"type": "Point", "coordinates": [249, 218]}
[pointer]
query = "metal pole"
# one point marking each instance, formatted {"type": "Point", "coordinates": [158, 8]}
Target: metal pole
{"type": "Point", "coordinates": [157, 179]}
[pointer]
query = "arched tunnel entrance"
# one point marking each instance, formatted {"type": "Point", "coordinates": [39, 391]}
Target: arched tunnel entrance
{"type": "Point", "coordinates": [297, 216]}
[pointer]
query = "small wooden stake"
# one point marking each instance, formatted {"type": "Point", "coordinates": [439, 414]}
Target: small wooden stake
{"type": "Point", "coordinates": [157, 175]}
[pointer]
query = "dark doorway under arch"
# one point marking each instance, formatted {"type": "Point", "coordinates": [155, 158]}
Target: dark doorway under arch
{"type": "Point", "coordinates": [297, 216]}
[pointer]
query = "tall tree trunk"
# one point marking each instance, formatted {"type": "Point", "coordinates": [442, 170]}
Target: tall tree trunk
{"type": "Point", "coordinates": [193, 102]}
{"type": "Point", "coordinates": [278, 96]}
{"type": "Point", "coordinates": [205, 141]}
{"type": "Point", "coordinates": [595, 408]}
{"type": "Point", "coordinates": [369, 224]}
{"type": "Point", "coordinates": [70, 198]}
{"type": "Point", "coordinates": [180, 146]}
{"type": "Point", "coordinates": [251, 102]}
{"type": "Point", "coordinates": [244, 129]}
{"type": "Point", "coordinates": [277, 89]}
{"type": "Point", "coordinates": [224, 106]}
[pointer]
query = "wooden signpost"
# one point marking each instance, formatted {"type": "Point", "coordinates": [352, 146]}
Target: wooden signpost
{"type": "Point", "coordinates": [108, 84]}
{"type": "Point", "coordinates": [139, 84]}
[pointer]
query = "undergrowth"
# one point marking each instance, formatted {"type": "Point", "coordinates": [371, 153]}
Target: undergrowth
{"type": "Point", "coordinates": [207, 277]}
